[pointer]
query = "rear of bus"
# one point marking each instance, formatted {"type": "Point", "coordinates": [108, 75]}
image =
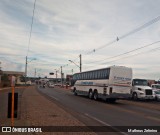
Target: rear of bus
{"type": "Point", "coordinates": [120, 82]}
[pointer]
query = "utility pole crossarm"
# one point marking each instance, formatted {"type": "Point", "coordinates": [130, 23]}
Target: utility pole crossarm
{"type": "Point", "coordinates": [80, 66]}
{"type": "Point", "coordinates": [74, 63]}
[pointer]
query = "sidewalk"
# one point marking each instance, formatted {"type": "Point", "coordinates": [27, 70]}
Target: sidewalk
{"type": "Point", "coordinates": [6, 88]}
{"type": "Point", "coordinates": [37, 110]}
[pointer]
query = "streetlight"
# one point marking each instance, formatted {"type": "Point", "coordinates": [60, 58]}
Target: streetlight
{"type": "Point", "coordinates": [36, 70]}
{"type": "Point", "coordinates": [0, 66]}
{"type": "Point", "coordinates": [56, 75]}
{"type": "Point", "coordinates": [80, 67]}
{"type": "Point", "coordinates": [26, 67]}
{"type": "Point", "coordinates": [72, 71]}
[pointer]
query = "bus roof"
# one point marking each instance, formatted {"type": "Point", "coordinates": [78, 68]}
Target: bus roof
{"type": "Point", "coordinates": [102, 69]}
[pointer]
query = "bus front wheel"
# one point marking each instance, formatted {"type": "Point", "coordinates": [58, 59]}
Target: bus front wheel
{"type": "Point", "coordinates": [134, 96]}
{"type": "Point", "coordinates": [75, 93]}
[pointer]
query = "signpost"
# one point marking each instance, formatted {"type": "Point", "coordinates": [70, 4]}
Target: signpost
{"type": "Point", "coordinates": [13, 79]}
{"type": "Point", "coordinates": [12, 101]}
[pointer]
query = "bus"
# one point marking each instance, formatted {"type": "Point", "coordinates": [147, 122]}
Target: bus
{"type": "Point", "coordinates": [109, 83]}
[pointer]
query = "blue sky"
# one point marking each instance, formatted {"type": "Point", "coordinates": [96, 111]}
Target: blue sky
{"type": "Point", "coordinates": [64, 29]}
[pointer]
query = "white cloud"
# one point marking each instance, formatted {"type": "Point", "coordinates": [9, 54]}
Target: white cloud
{"type": "Point", "coordinates": [64, 29]}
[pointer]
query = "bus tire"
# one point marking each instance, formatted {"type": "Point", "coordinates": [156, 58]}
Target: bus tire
{"type": "Point", "coordinates": [90, 95]}
{"type": "Point", "coordinates": [95, 95]}
{"type": "Point", "coordinates": [75, 93]}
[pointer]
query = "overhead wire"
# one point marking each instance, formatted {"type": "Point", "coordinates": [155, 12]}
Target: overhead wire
{"type": "Point", "coordinates": [31, 28]}
{"type": "Point", "coordinates": [151, 50]}
{"type": "Point", "coordinates": [126, 35]}
{"type": "Point", "coordinates": [155, 49]}
{"type": "Point", "coordinates": [125, 52]}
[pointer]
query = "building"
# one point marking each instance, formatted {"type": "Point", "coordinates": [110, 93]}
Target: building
{"type": "Point", "coordinates": [13, 73]}
{"type": "Point", "coordinates": [68, 79]}
{"type": "Point", "coordinates": [0, 72]}
{"type": "Point", "coordinates": [0, 76]}
{"type": "Point", "coordinates": [5, 77]}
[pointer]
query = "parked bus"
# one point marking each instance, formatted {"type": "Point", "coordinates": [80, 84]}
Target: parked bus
{"type": "Point", "coordinates": [110, 83]}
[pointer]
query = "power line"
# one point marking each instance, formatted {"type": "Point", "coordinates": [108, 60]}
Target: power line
{"type": "Point", "coordinates": [141, 27]}
{"type": "Point", "coordinates": [155, 49]}
{"type": "Point", "coordinates": [126, 52]}
{"type": "Point", "coordinates": [127, 34]}
{"type": "Point", "coordinates": [31, 28]}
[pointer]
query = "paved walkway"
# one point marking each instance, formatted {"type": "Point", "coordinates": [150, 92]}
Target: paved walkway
{"type": "Point", "coordinates": [37, 110]}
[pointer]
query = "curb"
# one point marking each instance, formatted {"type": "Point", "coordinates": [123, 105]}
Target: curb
{"type": "Point", "coordinates": [10, 88]}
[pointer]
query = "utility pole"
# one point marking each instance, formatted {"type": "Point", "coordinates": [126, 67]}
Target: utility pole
{"type": "Point", "coordinates": [26, 71]}
{"type": "Point", "coordinates": [56, 76]}
{"type": "Point", "coordinates": [61, 77]}
{"type": "Point", "coordinates": [0, 72]}
{"type": "Point", "coordinates": [0, 66]}
{"type": "Point", "coordinates": [72, 71]}
{"type": "Point", "coordinates": [80, 56]}
{"type": "Point", "coordinates": [35, 73]}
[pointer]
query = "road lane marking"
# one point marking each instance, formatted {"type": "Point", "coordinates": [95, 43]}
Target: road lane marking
{"type": "Point", "coordinates": [48, 94]}
{"type": "Point", "coordinates": [55, 98]}
{"type": "Point", "coordinates": [153, 118]}
{"type": "Point", "coordinates": [104, 123]}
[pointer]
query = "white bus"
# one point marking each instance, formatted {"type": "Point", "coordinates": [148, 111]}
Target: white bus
{"type": "Point", "coordinates": [110, 83]}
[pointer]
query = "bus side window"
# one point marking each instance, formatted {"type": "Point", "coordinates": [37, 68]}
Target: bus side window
{"type": "Point", "coordinates": [107, 73]}
{"type": "Point", "coordinates": [92, 75]}
{"type": "Point", "coordinates": [99, 74]}
{"type": "Point", "coordinates": [81, 76]}
{"type": "Point", "coordinates": [86, 76]}
{"type": "Point", "coordinates": [89, 74]}
{"type": "Point", "coordinates": [95, 75]}
{"type": "Point", "coordinates": [103, 74]}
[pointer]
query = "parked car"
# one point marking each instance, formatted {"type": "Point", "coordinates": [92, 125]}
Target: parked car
{"type": "Point", "coordinates": [155, 86]}
{"type": "Point", "coordinates": [157, 94]}
{"type": "Point", "coordinates": [43, 85]}
{"type": "Point", "coordinates": [51, 85]}
{"type": "Point", "coordinates": [57, 84]}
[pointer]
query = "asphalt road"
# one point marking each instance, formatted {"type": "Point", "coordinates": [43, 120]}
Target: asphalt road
{"type": "Point", "coordinates": [99, 113]}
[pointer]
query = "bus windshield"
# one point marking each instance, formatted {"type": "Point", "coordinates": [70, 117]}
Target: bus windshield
{"type": "Point", "coordinates": [140, 82]}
